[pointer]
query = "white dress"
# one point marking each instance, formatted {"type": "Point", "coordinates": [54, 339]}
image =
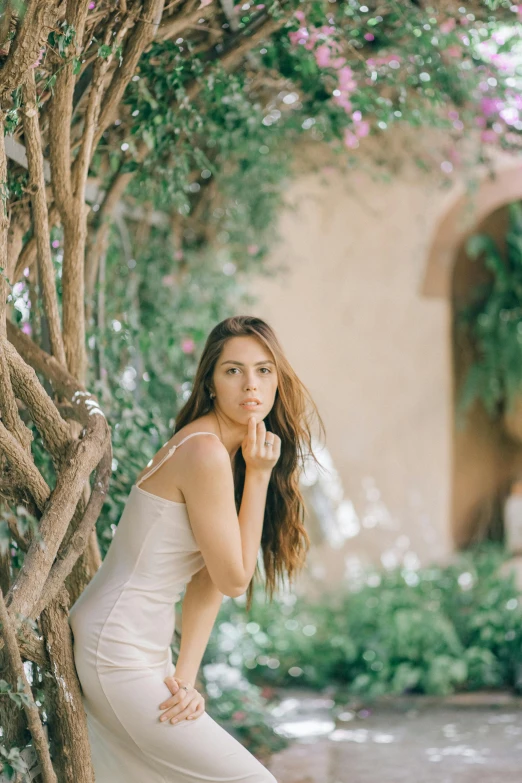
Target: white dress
{"type": "Point", "coordinates": [123, 625]}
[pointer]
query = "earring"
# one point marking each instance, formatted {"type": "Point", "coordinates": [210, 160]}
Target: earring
{"type": "Point", "coordinates": [212, 395]}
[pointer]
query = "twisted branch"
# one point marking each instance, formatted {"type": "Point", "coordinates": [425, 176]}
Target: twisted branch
{"type": "Point", "coordinates": [30, 708]}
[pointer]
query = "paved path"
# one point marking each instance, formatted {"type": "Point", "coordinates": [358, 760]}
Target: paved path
{"type": "Point", "coordinates": [404, 744]}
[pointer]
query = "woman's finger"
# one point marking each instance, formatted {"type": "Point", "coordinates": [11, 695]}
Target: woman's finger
{"type": "Point", "coordinates": [189, 710]}
{"type": "Point", "coordinates": [172, 700]}
{"type": "Point", "coordinates": [178, 709]}
{"type": "Point", "coordinates": [261, 435]}
{"type": "Point", "coordinates": [200, 709]}
{"type": "Point", "coordinates": [177, 702]}
{"type": "Point", "coordinates": [252, 435]}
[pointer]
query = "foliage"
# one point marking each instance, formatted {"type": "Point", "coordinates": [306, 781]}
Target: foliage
{"type": "Point", "coordinates": [157, 320]}
{"type": "Point", "coordinates": [215, 149]}
{"type": "Point", "coordinates": [435, 630]}
{"type": "Point", "coordinates": [493, 321]}
{"type": "Point", "coordinates": [241, 708]}
{"type": "Point", "coordinates": [210, 148]}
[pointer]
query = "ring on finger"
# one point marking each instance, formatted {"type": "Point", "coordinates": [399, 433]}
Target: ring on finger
{"type": "Point", "coordinates": [267, 443]}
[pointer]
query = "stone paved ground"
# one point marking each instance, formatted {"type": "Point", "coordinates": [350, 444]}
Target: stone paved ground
{"type": "Point", "coordinates": [423, 743]}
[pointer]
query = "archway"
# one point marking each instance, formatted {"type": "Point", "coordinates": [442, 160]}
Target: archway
{"type": "Point", "coordinates": [484, 458]}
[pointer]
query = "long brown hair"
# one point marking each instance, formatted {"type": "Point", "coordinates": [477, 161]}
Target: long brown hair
{"type": "Point", "coordinates": [284, 540]}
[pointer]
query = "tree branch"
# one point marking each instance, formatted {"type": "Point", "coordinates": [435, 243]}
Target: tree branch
{"type": "Point", "coordinates": [27, 256]}
{"type": "Point", "coordinates": [60, 114]}
{"type": "Point", "coordinates": [67, 720]}
{"type": "Point", "coordinates": [101, 67]}
{"type": "Point", "coordinates": [22, 465]}
{"type": "Point", "coordinates": [171, 28]}
{"type": "Point", "coordinates": [53, 429]}
{"type": "Point", "coordinates": [82, 459]}
{"type": "Point", "coordinates": [65, 560]}
{"type": "Point", "coordinates": [30, 708]}
{"type": "Point", "coordinates": [142, 34]}
{"type": "Point", "coordinates": [39, 19]}
{"type": "Point", "coordinates": [33, 143]}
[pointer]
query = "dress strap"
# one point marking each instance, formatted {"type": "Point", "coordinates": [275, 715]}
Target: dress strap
{"type": "Point", "coordinates": [169, 453]}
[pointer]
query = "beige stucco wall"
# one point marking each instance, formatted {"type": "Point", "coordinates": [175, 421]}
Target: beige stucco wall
{"type": "Point", "coordinates": [372, 347]}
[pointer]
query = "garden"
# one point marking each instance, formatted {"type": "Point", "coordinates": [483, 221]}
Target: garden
{"type": "Point", "coordinates": [145, 153]}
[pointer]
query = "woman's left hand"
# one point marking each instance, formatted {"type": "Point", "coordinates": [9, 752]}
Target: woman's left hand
{"type": "Point", "coordinates": [183, 704]}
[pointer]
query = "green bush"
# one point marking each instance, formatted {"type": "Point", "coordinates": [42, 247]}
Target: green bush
{"type": "Point", "coordinates": [493, 321]}
{"type": "Point", "coordinates": [436, 630]}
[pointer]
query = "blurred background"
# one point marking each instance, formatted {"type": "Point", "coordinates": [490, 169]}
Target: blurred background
{"type": "Point", "coordinates": [352, 174]}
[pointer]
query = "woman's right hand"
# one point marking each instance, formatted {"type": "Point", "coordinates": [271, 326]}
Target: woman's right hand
{"type": "Point", "coordinates": [257, 455]}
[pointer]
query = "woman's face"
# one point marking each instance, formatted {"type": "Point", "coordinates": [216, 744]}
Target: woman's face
{"type": "Point", "coordinates": [245, 380]}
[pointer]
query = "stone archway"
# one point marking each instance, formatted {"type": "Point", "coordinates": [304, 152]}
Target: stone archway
{"type": "Point", "coordinates": [484, 459]}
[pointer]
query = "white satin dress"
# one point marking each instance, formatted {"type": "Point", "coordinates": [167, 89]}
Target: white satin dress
{"type": "Point", "coordinates": [123, 625]}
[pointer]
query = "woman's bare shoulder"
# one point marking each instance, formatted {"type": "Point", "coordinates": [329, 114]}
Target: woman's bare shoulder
{"type": "Point", "coordinates": [205, 446]}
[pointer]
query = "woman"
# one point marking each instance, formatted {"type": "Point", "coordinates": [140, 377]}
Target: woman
{"type": "Point", "coordinates": [226, 482]}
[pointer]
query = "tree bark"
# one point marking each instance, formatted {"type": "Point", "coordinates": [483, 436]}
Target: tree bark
{"type": "Point", "coordinates": [31, 710]}
{"type": "Point", "coordinates": [67, 720]}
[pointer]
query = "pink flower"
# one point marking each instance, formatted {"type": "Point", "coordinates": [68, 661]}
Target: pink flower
{"type": "Point", "coordinates": [343, 102]}
{"type": "Point", "coordinates": [489, 136]}
{"type": "Point", "coordinates": [346, 81]}
{"type": "Point", "coordinates": [299, 15]}
{"type": "Point", "coordinates": [92, 5]}
{"type": "Point", "coordinates": [322, 56]}
{"type": "Point", "coordinates": [168, 279]}
{"type": "Point", "coordinates": [188, 345]}
{"type": "Point", "coordinates": [39, 60]}
{"type": "Point", "coordinates": [26, 328]}
{"type": "Point", "coordinates": [369, 37]}
{"type": "Point", "coordinates": [299, 36]}
{"type": "Point", "coordinates": [453, 51]}
{"type": "Point", "coordinates": [350, 139]}
{"type": "Point", "coordinates": [312, 40]}
{"type": "Point", "coordinates": [252, 249]}
{"type": "Point", "coordinates": [490, 106]}
{"type": "Point", "coordinates": [55, 243]}
{"type": "Point", "coordinates": [447, 26]}
{"type": "Point", "coordinates": [454, 155]}
{"type": "Point", "coordinates": [510, 115]}
{"type": "Point", "coordinates": [239, 715]}
{"type": "Point", "coordinates": [362, 129]}
{"type": "Point", "coordinates": [179, 255]}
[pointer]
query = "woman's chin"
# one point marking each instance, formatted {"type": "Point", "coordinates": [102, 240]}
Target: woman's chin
{"type": "Point", "coordinates": [246, 413]}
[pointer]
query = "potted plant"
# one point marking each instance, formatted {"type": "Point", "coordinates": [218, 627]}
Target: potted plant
{"type": "Point", "coordinates": [493, 321]}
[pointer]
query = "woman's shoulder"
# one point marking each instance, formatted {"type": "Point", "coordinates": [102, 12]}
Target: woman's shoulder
{"type": "Point", "coordinates": [198, 441]}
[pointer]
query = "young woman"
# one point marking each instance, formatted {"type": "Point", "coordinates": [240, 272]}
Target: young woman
{"type": "Point", "coordinates": [225, 484]}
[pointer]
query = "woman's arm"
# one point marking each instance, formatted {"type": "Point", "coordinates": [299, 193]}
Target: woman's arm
{"type": "Point", "coordinates": [201, 604]}
{"type": "Point", "coordinates": [228, 541]}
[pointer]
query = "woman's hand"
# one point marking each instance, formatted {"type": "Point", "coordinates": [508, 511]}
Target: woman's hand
{"type": "Point", "coordinates": [261, 449]}
{"type": "Point", "coordinates": [183, 704]}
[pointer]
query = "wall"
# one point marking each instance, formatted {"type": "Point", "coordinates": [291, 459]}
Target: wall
{"type": "Point", "coordinates": [374, 349]}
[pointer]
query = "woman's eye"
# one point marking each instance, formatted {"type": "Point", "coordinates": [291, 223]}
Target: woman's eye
{"type": "Point", "coordinates": [267, 369]}
{"type": "Point", "coordinates": [231, 369]}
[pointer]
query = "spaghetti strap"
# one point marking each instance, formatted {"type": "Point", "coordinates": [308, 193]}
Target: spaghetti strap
{"type": "Point", "coordinates": [169, 453]}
